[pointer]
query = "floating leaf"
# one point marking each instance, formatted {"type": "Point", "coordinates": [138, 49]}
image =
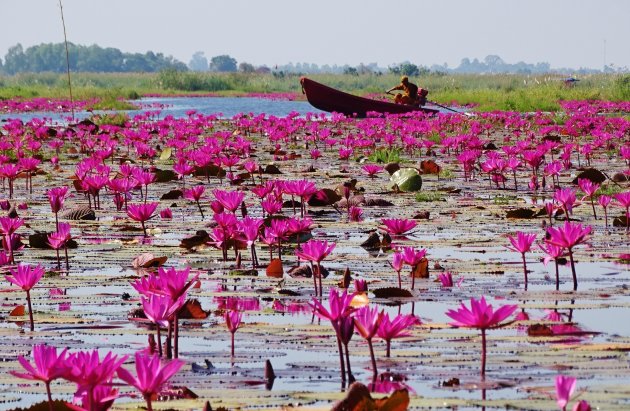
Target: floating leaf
{"type": "Point", "coordinates": [272, 169]}
{"type": "Point", "coordinates": [324, 197]}
{"type": "Point", "coordinates": [192, 310]}
{"type": "Point", "coordinates": [422, 269]}
{"type": "Point", "coordinates": [172, 195]}
{"type": "Point", "coordinates": [407, 180]}
{"type": "Point", "coordinates": [164, 176]}
{"type": "Point", "coordinates": [391, 168]}
{"type": "Point", "coordinates": [592, 174]}
{"type": "Point", "coordinates": [358, 398]}
{"type": "Point", "coordinates": [148, 260]}
{"type": "Point", "coordinates": [166, 154]}
{"type": "Point", "coordinates": [391, 292]}
{"type": "Point", "coordinates": [200, 238]}
{"type": "Point", "coordinates": [18, 311]}
{"type": "Point", "coordinates": [274, 269]}
{"type": "Point", "coordinates": [521, 213]}
{"type": "Point", "coordinates": [80, 213]}
{"type": "Point", "coordinates": [377, 202]}
{"type": "Point", "coordinates": [430, 167]}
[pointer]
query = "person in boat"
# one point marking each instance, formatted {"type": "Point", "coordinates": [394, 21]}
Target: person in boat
{"type": "Point", "coordinates": [411, 95]}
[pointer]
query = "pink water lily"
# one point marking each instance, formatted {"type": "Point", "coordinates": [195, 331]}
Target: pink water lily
{"type": "Point", "coordinates": [482, 316]}
{"type": "Point", "coordinates": [339, 307]}
{"type": "Point", "coordinates": [56, 197]}
{"type": "Point", "coordinates": [142, 213]}
{"type": "Point", "coordinates": [49, 365]}
{"type": "Point", "coordinates": [233, 323]}
{"type": "Point", "coordinates": [568, 236]}
{"type": "Point", "coordinates": [316, 251]}
{"type": "Point", "coordinates": [624, 201]}
{"type": "Point", "coordinates": [25, 277]}
{"type": "Point", "coordinates": [367, 321]}
{"type": "Point", "coordinates": [589, 188]}
{"type": "Point", "coordinates": [564, 389]}
{"type": "Point", "coordinates": [151, 375]}
{"type": "Point", "coordinates": [89, 371]}
{"type": "Point", "coordinates": [195, 194]}
{"type": "Point", "coordinates": [396, 328]}
{"type": "Point", "coordinates": [523, 243]}
{"type": "Point", "coordinates": [398, 226]}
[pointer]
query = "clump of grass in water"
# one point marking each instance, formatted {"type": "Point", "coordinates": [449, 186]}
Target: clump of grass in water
{"type": "Point", "coordinates": [385, 155]}
{"type": "Point", "coordinates": [115, 119]}
{"type": "Point", "coordinates": [502, 200]}
{"type": "Point", "coordinates": [429, 197]}
{"type": "Point", "coordinates": [609, 190]}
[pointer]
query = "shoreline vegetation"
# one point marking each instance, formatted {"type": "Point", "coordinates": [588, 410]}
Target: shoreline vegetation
{"type": "Point", "coordinates": [484, 92]}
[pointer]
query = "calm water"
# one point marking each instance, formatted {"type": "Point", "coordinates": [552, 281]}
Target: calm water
{"type": "Point", "coordinates": [178, 106]}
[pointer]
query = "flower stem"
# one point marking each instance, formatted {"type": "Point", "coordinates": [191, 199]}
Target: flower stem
{"type": "Point", "coordinates": [30, 309]}
{"type": "Point", "coordinates": [232, 348]}
{"type": "Point", "coordinates": [159, 340]}
{"type": "Point", "coordinates": [350, 376]}
{"type": "Point", "coordinates": [319, 274]}
{"type": "Point", "coordinates": [50, 401]}
{"type": "Point", "coordinates": [524, 270]}
{"type": "Point", "coordinates": [374, 370]}
{"type": "Point", "coordinates": [341, 361]}
{"type": "Point", "coordinates": [175, 336]}
{"type": "Point", "coordinates": [557, 276]}
{"type": "Point", "coordinates": [575, 282]}
{"type": "Point", "coordinates": [147, 398]}
{"type": "Point", "coordinates": [483, 352]}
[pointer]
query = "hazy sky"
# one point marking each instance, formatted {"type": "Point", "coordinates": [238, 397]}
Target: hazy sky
{"type": "Point", "coordinates": [564, 33]}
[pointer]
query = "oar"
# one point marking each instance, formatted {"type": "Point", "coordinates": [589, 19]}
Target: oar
{"type": "Point", "coordinates": [447, 108]}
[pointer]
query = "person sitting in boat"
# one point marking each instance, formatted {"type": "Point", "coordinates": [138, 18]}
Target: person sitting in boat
{"type": "Point", "coordinates": [412, 95]}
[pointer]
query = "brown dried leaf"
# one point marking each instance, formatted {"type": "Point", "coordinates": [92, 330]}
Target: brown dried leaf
{"type": "Point", "coordinates": [274, 269]}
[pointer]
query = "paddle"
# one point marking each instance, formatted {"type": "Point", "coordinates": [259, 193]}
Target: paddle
{"type": "Point", "coordinates": [439, 105]}
{"type": "Point", "coordinates": [444, 107]}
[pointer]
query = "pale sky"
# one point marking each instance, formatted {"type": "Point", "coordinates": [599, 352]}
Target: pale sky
{"type": "Point", "coordinates": [564, 33]}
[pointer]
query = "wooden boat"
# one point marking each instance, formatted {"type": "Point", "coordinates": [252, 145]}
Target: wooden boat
{"type": "Point", "coordinates": [332, 100]}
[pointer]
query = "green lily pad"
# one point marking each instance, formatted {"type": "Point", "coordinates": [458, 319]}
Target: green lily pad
{"type": "Point", "coordinates": [407, 179]}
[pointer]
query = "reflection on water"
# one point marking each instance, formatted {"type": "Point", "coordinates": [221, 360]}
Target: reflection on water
{"type": "Point", "coordinates": [225, 107]}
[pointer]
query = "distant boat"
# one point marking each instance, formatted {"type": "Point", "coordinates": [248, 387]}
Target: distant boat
{"type": "Point", "coordinates": [332, 100]}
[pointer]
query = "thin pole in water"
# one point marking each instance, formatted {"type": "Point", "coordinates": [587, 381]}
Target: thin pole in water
{"type": "Point", "coordinates": [65, 39]}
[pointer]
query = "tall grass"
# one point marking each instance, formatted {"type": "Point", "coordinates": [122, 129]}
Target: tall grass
{"type": "Point", "coordinates": [486, 91]}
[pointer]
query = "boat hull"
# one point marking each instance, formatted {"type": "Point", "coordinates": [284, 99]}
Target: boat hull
{"type": "Point", "coordinates": [332, 100]}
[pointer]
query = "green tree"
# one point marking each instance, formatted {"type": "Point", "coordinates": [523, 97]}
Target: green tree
{"type": "Point", "coordinates": [246, 68]}
{"type": "Point", "coordinates": [223, 63]}
{"type": "Point", "coordinates": [198, 62]}
{"type": "Point", "coordinates": [15, 60]}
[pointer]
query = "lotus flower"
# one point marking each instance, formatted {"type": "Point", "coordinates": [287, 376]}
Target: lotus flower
{"type": "Point", "coordinates": [90, 372]}
{"type": "Point", "coordinates": [367, 322]}
{"type": "Point", "coordinates": [233, 323]}
{"type": "Point", "coordinates": [151, 375]}
{"type": "Point", "coordinates": [26, 277]}
{"type": "Point", "coordinates": [396, 328]}
{"type": "Point", "coordinates": [397, 226]}
{"type": "Point", "coordinates": [316, 251]}
{"type": "Point", "coordinates": [523, 243]}
{"type": "Point", "coordinates": [49, 365]}
{"type": "Point", "coordinates": [564, 389]}
{"type": "Point", "coordinates": [589, 188]}
{"type": "Point", "coordinates": [568, 236]}
{"type": "Point", "coordinates": [481, 315]}
{"type": "Point", "coordinates": [339, 307]}
{"type": "Point", "coordinates": [142, 213]}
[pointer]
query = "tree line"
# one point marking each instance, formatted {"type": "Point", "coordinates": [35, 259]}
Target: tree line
{"type": "Point", "coordinates": [52, 58]}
